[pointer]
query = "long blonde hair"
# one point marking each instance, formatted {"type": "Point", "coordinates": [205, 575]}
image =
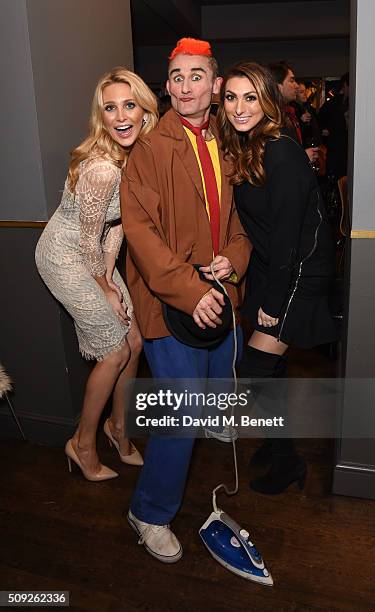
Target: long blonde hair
{"type": "Point", "coordinates": [246, 150]}
{"type": "Point", "coordinates": [99, 141]}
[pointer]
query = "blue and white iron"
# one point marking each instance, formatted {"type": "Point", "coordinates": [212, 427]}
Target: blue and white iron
{"type": "Point", "coordinates": [231, 546]}
{"type": "Point", "coordinates": [227, 542]}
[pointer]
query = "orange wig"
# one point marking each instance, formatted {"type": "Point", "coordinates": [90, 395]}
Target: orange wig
{"type": "Point", "coordinates": [191, 46]}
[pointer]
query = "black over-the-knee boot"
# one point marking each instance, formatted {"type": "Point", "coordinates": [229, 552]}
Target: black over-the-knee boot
{"type": "Point", "coordinates": [286, 465]}
{"type": "Point", "coordinates": [259, 364]}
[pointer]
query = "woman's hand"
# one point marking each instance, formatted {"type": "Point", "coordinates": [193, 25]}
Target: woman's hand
{"type": "Point", "coordinates": [265, 320]}
{"type": "Point", "coordinates": [110, 261]}
{"type": "Point", "coordinates": [114, 296]}
{"type": "Point", "coordinates": [117, 305]}
{"type": "Point", "coordinates": [222, 267]}
{"type": "Point", "coordinates": [112, 285]}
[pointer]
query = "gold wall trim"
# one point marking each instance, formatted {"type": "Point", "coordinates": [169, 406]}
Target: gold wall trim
{"type": "Point", "coordinates": [362, 234]}
{"type": "Point", "coordinates": [23, 223]}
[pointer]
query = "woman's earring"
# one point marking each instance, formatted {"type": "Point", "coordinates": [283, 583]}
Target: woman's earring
{"type": "Point", "coordinates": [144, 121]}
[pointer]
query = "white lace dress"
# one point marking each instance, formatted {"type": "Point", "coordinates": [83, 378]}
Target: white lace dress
{"type": "Point", "coordinates": [71, 250]}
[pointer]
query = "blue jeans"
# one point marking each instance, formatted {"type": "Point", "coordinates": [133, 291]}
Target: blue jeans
{"type": "Point", "coordinates": [161, 484]}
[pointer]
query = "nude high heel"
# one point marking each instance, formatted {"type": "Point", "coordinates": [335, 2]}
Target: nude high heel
{"type": "Point", "coordinates": [134, 457]}
{"type": "Point", "coordinates": [105, 473]}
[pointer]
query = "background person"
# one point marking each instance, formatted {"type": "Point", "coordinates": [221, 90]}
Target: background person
{"type": "Point", "coordinates": [76, 257]}
{"type": "Point", "coordinates": [288, 87]}
{"type": "Point", "coordinates": [333, 119]}
{"type": "Point", "coordinates": [307, 117]}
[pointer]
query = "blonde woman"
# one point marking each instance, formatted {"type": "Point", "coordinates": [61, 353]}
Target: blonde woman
{"type": "Point", "coordinates": [76, 257]}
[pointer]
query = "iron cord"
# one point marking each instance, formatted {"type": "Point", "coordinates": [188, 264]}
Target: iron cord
{"type": "Point", "coordinates": [235, 351]}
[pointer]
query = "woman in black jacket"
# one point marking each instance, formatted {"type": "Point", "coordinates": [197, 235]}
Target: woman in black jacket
{"type": "Point", "coordinates": [292, 263]}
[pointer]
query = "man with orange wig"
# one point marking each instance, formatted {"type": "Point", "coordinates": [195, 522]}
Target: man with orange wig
{"type": "Point", "coordinates": [177, 211]}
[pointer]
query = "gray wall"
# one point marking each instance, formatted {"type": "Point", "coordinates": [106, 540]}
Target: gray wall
{"type": "Point", "coordinates": [38, 347]}
{"type": "Point", "coordinates": [364, 118]}
{"type": "Point", "coordinates": [354, 473]}
{"type": "Point", "coordinates": [72, 44]}
{"type": "Point", "coordinates": [52, 54]}
{"type": "Point", "coordinates": [22, 193]}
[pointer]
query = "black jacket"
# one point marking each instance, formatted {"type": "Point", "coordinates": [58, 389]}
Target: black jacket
{"type": "Point", "coordinates": [310, 131]}
{"type": "Point", "coordinates": [287, 224]}
{"type": "Point", "coordinates": [332, 118]}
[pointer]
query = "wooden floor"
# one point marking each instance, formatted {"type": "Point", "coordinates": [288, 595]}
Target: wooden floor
{"type": "Point", "coordinates": [60, 532]}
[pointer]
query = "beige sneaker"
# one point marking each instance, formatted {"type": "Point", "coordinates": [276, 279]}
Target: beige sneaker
{"type": "Point", "coordinates": [158, 540]}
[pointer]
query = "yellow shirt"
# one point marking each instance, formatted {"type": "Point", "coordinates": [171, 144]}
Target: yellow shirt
{"type": "Point", "coordinates": [214, 154]}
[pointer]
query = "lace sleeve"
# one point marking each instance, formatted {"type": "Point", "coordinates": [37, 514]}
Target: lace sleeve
{"type": "Point", "coordinates": [95, 188]}
{"type": "Point", "coordinates": [113, 239]}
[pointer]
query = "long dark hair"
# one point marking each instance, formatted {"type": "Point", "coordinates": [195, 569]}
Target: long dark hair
{"type": "Point", "coordinates": [246, 149]}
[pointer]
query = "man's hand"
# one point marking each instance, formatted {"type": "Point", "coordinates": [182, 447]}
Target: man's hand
{"type": "Point", "coordinates": [208, 309]}
{"type": "Point", "coordinates": [265, 320]}
{"type": "Point", "coordinates": [222, 267]}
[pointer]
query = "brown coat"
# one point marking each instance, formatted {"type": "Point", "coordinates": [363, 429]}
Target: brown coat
{"type": "Point", "coordinates": [167, 227]}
